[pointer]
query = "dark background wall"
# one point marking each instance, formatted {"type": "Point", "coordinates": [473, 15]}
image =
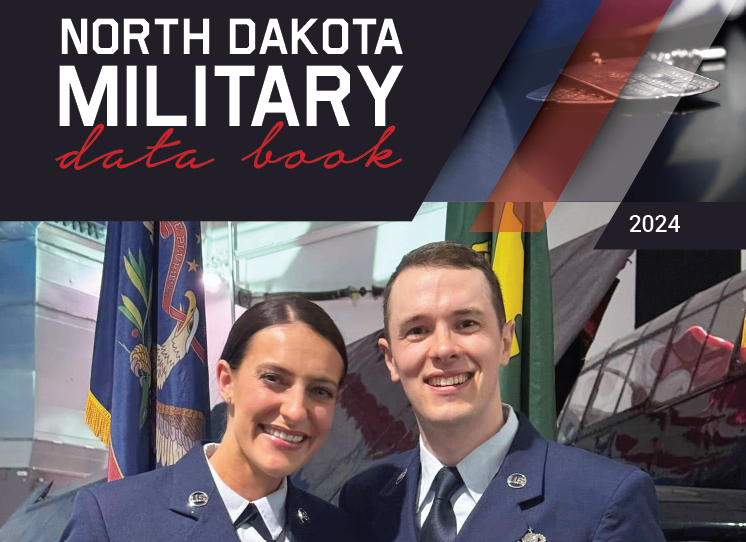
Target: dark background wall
{"type": "Point", "coordinates": [666, 278]}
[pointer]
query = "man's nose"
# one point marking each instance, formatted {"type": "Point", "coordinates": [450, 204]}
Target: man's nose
{"type": "Point", "coordinates": [444, 346]}
{"type": "Point", "coordinates": [293, 407]}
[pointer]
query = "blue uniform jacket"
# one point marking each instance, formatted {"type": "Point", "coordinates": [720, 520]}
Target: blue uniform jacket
{"type": "Point", "coordinates": [569, 495]}
{"type": "Point", "coordinates": [154, 507]}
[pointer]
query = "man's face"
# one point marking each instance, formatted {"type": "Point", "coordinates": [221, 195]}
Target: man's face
{"type": "Point", "coordinates": [445, 345]}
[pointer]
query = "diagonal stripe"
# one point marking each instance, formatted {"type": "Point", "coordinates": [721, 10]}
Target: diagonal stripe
{"type": "Point", "coordinates": [644, 141]}
{"type": "Point", "coordinates": [502, 118]}
{"type": "Point", "coordinates": [556, 141]}
{"type": "Point", "coordinates": [529, 217]}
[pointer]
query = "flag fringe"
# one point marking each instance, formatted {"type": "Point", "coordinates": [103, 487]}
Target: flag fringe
{"type": "Point", "coordinates": [98, 419]}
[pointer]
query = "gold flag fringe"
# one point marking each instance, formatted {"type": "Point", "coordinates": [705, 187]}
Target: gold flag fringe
{"type": "Point", "coordinates": [98, 419]}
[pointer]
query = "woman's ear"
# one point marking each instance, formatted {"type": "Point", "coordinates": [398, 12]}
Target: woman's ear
{"type": "Point", "coordinates": [225, 379]}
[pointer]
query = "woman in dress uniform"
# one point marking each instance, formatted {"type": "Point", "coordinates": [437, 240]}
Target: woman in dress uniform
{"type": "Point", "coordinates": [279, 374]}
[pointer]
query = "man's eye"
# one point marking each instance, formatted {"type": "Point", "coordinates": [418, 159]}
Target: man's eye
{"type": "Point", "coordinates": [467, 324]}
{"type": "Point", "coordinates": [416, 331]}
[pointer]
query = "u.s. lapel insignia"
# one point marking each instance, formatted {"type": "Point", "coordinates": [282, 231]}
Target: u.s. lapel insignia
{"type": "Point", "coordinates": [531, 536]}
{"type": "Point", "coordinates": [303, 516]}
{"type": "Point", "coordinates": [197, 499]}
{"type": "Point", "coordinates": [401, 477]}
{"type": "Point", "coordinates": [517, 480]}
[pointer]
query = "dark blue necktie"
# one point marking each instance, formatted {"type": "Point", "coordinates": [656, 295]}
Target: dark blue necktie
{"type": "Point", "coordinates": [440, 525]}
{"type": "Point", "coordinates": [252, 516]}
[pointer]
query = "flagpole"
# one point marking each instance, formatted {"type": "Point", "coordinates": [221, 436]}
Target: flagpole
{"type": "Point", "coordinates": [231, 264]}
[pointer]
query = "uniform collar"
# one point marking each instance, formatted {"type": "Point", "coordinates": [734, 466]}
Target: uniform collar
{"type": "Point", "coordinates": [394, 520]}
{"type": "Point", "coordinates": [192, 475]}
{"type": "Point", "coordinates": [504, 506]}
{"type": "Point", "coordinates": [500, 511]}
{"type": "Point", "coordinates": [479, 467]}
{"type": "Point", "coordinates": [192, 479]}
{"type": "Point", "coordinates": [271, 507]}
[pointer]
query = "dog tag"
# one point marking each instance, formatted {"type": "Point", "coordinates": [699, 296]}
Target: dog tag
{"type": "Point", "coordinates": [646, 79]}
{"type": "Point", "coordinates": [567, 91]}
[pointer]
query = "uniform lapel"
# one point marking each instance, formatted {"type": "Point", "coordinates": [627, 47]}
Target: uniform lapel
{"type": "Point", "coordinates": [300, 520]}
{"type": "Point", "coordinates": [500, 514]}
{"type": "Point", "coordinates": [211, 521]}
{"type": "Point", "coordinates": [395, 517]}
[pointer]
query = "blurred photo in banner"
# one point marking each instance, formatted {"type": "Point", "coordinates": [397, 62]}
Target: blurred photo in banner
{"type": "Point", "coordinates": [520, 260]}
{"type": "Point", "coordinates": [149, 393]}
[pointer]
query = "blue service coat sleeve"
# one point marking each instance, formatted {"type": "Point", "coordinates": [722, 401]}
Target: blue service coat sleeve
{"type": "Point", "coordinates": [632, 513]}
{"type": "Point", "coordinates": [86, 523]}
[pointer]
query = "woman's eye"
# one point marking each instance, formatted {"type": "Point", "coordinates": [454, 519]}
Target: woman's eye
{"type": "Point", "coordinates": [271, 378]}
{"type": "Point", "coordinates": [323, 392]}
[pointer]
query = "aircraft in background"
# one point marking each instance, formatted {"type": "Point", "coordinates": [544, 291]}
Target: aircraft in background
{"type": "Point", "coordinates": [670, 398]}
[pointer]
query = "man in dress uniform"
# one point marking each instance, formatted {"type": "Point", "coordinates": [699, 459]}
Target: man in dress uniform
{"type": "Point", "coordinates": [481, 471]}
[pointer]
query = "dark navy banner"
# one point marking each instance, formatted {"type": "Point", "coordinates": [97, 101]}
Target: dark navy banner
{"type": "Point", "coordinates": [149, 395]}
{"type": "Point", "coordinates": [303, 111]}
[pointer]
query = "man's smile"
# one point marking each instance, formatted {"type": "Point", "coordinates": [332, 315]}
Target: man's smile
{"type": "Point", "coordinates": [452, 379]}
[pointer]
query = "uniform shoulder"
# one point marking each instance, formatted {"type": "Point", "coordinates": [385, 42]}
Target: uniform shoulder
{"type": "Point", "coordinates": [123, 491]}
{"type": "Point", "coordinates": [584, 470]}
{"type": "Point", "coordinates": [611, 500]}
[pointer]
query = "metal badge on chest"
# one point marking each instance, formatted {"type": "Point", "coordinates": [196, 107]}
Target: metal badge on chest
{"type": "Point", "coordinates": [517, 481]}
{"type": "Point", "coordinates": [531, 536]}
{"type": "Point", "coordinates": [197, 499]}
{"type": "Point", "coordinates": [303, 516]}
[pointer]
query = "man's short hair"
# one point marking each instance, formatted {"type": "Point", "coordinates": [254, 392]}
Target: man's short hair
{"type": "Point", "coordinates": [447, 254]}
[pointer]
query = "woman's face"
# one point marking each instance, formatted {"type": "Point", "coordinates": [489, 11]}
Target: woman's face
{"type": "Point", "coordinates": [283, 396]}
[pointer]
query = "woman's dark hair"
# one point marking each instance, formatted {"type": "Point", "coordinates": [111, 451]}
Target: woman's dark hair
{"type": "Point", "coordinates": [275, 311]}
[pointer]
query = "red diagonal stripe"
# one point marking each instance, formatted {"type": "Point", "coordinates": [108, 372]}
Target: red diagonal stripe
{"type": "Point", "coordinates": [528, 217]}
{"type": "Point", "coordinates": [558, 138]}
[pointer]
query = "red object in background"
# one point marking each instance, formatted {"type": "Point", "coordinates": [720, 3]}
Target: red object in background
{"type": "Point", "coordinates": [692, 433]}
{"type": "Point", "coordinates": [696, 344]}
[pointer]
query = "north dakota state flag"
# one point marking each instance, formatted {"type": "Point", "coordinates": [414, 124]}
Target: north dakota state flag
{"type": "Point", "coordinates": [521, 262]}
{"type": "Point", "coordinates": [149, 392]}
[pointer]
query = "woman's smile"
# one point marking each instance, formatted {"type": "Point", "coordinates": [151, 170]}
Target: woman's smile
{"type": "Point", "coordinates": [284, 439]}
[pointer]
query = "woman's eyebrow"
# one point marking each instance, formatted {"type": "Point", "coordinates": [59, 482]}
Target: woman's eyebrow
{"type": "Point", "coordinates": [274, 368]}
{"type": "Point", "coordinates": [323, 380]}
{"type": "Point", "coordinates": [283, 371]}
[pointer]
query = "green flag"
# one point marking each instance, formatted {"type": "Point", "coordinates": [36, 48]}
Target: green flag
{"type": "Point", "coordinates": [521, 262]}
